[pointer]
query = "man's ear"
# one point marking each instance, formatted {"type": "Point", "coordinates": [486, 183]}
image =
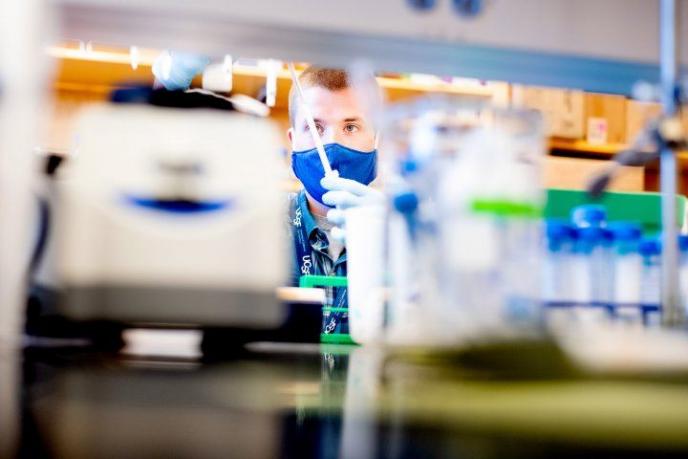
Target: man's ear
{"type": "Point", "coordinates": [290, 135]}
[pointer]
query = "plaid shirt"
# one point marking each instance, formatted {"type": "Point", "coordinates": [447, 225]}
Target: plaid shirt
{"type": "Point", "coordinates": [310, 249]}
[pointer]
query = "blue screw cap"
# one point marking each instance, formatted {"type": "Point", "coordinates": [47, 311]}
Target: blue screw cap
{"type": "Point", "coordinates": [406, 202]}
{"type": "Point", "coordinates": [649, 247]}
{"type": "Point", "coordinates": [589, 215]}
{"type": "Point", "coordinates": [625, 231]}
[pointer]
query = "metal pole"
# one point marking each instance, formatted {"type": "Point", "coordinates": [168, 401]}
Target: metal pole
{"type": "Point", "coordinates": [672, 312]}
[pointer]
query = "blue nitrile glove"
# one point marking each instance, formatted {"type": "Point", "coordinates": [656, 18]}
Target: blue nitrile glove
{"type": "Point", "coordinates": [175, 70]}
{"type": "Point", "coordinates": [345, 193]}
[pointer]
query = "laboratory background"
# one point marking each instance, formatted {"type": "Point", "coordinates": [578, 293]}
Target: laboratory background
{"type": "Point", "coordinates": [363, 229]}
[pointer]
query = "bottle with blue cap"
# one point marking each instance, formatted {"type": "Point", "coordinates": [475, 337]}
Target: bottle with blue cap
{"type": "Point", "coordinates": [557, 293]}
{"type": "Point", "coordinates": [627, 272]}
{"type": "Point", "coordinates": [683, 268]}
{"type": "Point", "coordinates": [591, 265]}
{"type": "Point", "coordinates": [650, 249]}
{"type": "Point", "coordinates": [559, 242]}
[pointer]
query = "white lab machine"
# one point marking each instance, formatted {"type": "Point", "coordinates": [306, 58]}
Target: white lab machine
{"type": "Point", "coordinates": [169, 216]}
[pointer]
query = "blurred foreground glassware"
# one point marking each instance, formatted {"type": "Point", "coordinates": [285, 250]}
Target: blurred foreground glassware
{"type": "Point", "coordinates": [462, 236]}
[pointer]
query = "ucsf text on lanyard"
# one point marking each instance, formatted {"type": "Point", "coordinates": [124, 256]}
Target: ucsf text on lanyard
{"type": "Point", "coordinates": [306, 266]}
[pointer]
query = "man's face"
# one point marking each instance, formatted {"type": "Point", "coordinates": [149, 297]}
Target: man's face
{"type": "Point", "coordinates": [339, 118]}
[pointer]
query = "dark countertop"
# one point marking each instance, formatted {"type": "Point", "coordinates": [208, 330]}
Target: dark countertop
{"type": "Point", "coordinates": [286, 400]}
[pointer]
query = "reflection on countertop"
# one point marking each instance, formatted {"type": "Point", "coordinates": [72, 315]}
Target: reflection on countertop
{"type": "Point", "coordinates": [329, 401]}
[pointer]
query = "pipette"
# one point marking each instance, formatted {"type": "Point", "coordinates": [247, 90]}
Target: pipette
{"type": "Point", "coordinates": [311, 125]}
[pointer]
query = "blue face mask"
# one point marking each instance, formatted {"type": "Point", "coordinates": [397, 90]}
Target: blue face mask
{"type": "Point", "coordinates": [351, 164]}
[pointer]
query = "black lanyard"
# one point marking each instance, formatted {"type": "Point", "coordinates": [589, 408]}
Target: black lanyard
{"type": "Point", "coordinates": [304, 259]}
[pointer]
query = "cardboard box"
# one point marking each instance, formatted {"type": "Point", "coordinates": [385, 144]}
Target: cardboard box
{"type": "Point", "coordinates": [562, 109]}
{"type": "Point", "coordinates": [611, 108]}
{"type": "Point", "coordinates": [576, 173]}
{"type": "Point", "coordinates": [638, 114]}
{"type": "Point", "coordinates": [598, 129]}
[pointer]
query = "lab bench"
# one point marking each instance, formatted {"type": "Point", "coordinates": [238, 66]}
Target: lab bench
{"type": "Point", "coordinates": [310, 400]}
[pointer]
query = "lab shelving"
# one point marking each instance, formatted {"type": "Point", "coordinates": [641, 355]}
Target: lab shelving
{"type": "Point", "coordinates": [597, 46]}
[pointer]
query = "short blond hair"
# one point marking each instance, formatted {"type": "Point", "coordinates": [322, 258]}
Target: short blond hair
{"type": "Point", "coordinates": [332, 79]}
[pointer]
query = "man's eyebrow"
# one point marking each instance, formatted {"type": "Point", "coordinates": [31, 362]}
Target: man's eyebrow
{"type": "Point", "coordinates": [315, 120]}
{"type": "Point", "coordinates": [349, 120]}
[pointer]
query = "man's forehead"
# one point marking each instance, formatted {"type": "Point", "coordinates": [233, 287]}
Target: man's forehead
{"type": "Point", "coordinates": [333, 105]}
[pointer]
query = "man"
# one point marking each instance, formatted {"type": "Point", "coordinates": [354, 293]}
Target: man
{"type": "Point", "coordinates": [346, 130]}
{"type": "Point", "coordinates": [349, 137]}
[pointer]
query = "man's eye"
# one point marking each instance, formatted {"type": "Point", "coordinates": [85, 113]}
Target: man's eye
{"type": "Point", "coordinates": [318, 127]}
{"type": "Point", "coordinates": [351, 128]}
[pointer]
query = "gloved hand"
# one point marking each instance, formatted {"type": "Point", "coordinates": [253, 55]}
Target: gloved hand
{"type": "Point", "coordinates": [175, 70]}
{"type": "Point", "coordinates": [345, 193]}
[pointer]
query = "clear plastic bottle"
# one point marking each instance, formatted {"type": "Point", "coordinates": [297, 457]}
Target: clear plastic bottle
{"type": "Point", "coordinates": [683, 269]}
{"type": "Point", "coordinates": [490, 201]}
{"type": "Point", "coordinates": [591, 276]}
{"type": "Point", "coordinates": [462, 261]}
{"type": "Point", "coordinates": [421, 139]}
{"type": "Point", "coordinates": [556, 272]}
{"type": "Point", "coordinates": [650, 250]}
{"type": "Point", "coordinates": [627, 273]}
